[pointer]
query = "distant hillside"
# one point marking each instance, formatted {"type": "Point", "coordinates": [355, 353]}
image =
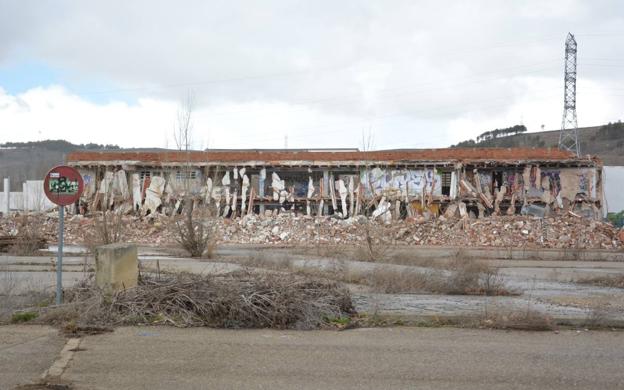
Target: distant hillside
{"type": "Point", "coordinates": [606, 142]}
{"type": "Point", "coordinates": [23, 161]}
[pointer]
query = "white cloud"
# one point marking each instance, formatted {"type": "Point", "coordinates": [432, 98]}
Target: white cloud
{"type": "Point", "coordinates": [53, 112]}
{"type": "Point", "coordinates": [420, 74]}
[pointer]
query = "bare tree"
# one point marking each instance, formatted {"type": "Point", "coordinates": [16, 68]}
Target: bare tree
{"type": "Point", "coordinates": [192, 234]}
{"type": "Point", "coordinates": [183, 129]}
{"type": "Point", "coordinates": [368, 140]}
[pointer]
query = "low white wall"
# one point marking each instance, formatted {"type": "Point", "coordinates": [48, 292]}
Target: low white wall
{"type": "Point", "coordinates": [32, 198]}
{"type": "Point", "coordinates": [613, 178]}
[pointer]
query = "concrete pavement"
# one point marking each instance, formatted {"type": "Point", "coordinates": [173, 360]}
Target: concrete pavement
{"type": "Point", "coordinates": [381, 358]}
{"type": "Point", "coordinates": [26, 352]}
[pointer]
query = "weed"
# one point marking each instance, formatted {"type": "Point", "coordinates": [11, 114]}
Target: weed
{"type": "Point", "coordinates": [23, 316]}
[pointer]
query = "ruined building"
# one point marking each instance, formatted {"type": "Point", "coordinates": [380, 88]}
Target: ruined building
{"type": "Point", "coordinates": [388, 184]}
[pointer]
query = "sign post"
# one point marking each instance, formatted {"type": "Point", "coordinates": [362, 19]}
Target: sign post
{"type": "Point", "coordinates": [63, 185]}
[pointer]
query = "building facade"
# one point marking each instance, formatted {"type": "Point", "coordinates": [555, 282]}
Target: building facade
{"type": "Point", "coordinates": [344, 183]}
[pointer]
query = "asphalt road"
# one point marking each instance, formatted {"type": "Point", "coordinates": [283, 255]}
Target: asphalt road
{"type": "Point", "coordinates": [388, 358]}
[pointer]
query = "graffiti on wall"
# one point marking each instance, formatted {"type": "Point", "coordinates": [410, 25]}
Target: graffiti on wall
{"type": "Point", "coordinates": [405, 182]}
{"type": "Point", "coordinates": [554, 179]}
{"type": "Point", "coordinates": [584, 182]}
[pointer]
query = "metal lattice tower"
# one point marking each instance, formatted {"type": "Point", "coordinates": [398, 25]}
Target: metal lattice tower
{"type": "Point", "coordinates": [568, 138]}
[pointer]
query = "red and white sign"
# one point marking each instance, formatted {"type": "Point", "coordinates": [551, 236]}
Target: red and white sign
{"type": "Point", "coordinates": [63, 185]}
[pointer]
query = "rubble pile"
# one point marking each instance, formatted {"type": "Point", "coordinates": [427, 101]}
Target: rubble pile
{"type": "Point", "coordinates": [503, 231]}
{"type": "Point", "coordinates": [564, 231]}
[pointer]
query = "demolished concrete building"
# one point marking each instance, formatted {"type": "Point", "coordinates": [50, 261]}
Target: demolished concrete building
{"type": "Point", "coordinates": [388, 184]}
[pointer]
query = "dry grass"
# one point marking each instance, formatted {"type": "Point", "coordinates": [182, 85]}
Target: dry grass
{"type": "Point", "coordinates": [45, 386]}
{"type": "Point", "coordinates": [616, 281]}
{"type": "Point", "coordinates": [519, 320]}
{"type": "Point", "coordinates": [394, 281]}
{"type": "Point", "coordinates": [461, 277]}
{"type": "Point", "coordinates": [12, 299]}
{"type": "Point", "coordinates": [29, 238]}
{"type": "Point", "coordinates": [465, 277]}
{"type": "Point", "coordinates": [237, 300]}
{"type": "Point", "coordinates": [261, 260]}
{"type": "Point", "coordinates": [513, 320]}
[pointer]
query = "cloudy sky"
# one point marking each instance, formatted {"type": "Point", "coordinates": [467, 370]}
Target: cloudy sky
{"type": "Point", "coordinates": [414, 74]}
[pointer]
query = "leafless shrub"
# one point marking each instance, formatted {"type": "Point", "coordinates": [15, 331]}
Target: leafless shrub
{"type": "Point", "coordinates": [108, 228]}
{"type": "Point", "coordinates": [29, 238]}
{"type": "Point", "coordinates": [237, 300]}
{"type": "Point", "coordinates": [598, 314]}
{"type": "Point", "coordinates": [471, 277]}
{"type": "Point", "coordinates": [192, 233]}
{"type": "Point", "coordinates": [375, 244]}
{"type": "Point", "coordinates": [616, 281]}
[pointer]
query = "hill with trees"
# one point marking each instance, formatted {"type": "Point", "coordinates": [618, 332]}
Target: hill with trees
{"type": "Point", "coordinates": [23, 161]}
{"type": "Point", "coordinates": [606, 141]}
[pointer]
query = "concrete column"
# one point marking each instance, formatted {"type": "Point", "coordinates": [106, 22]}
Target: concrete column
{"type": "Point", "coordinates": [7, 196]}
{"type": "Point", "coordinates": [325, 190]}
{"type": "Point", "coordinates": [261, 179]}
{"type": "Point", "coordinates": [116, 266]}
{"type": "Point", "coordinates": [25, 200]}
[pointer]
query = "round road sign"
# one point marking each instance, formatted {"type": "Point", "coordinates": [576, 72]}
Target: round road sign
{"type": "Point", "coordinates": [63, 185]}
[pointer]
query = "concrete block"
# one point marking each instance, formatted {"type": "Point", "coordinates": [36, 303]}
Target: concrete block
{"type": "Point", "coordinates": [116, 266]}
{"type": "Point", "coordinates": [534, 210]}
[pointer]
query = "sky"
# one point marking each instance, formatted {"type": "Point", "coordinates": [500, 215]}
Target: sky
{"type": "Point", "coordinates": [302, 74]}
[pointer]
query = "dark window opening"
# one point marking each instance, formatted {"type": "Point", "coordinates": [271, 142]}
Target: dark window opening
{"type": "Point", "coordinates": [446, 183]}
{"type": "Point", "coordinates": [497, 181]}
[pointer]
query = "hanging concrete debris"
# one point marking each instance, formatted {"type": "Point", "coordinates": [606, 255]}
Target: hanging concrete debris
{"type": "Point", "coordinates": [153, 195]}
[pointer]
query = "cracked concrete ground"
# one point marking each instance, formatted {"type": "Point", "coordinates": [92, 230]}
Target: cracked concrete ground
{"type": "Point", "coordinates": [547, 286]}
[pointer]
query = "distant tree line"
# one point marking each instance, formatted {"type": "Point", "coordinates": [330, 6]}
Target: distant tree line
{"type": "Point", "coordinates": [504, 138]}
{"type": "Point", "coordinates": [493, 134]}
{"type": "Point", "coordinates": [57, 145]}
{"type": "Point", "coordinates": [496, 137]}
